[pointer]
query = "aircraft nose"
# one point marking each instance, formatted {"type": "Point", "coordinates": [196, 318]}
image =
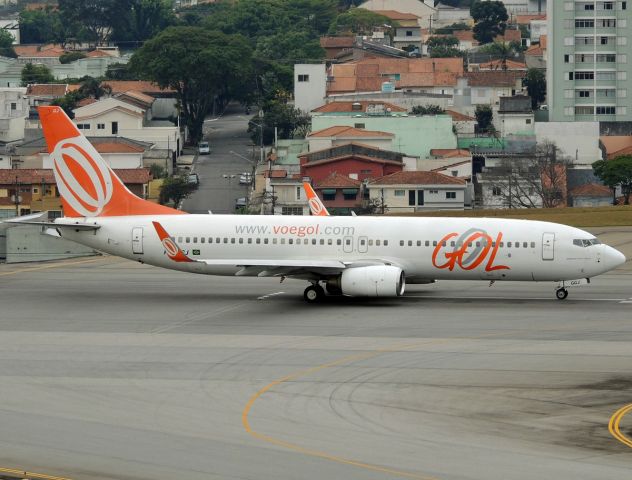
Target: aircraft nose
{"type": "Point", "coordinates": [613, 258]}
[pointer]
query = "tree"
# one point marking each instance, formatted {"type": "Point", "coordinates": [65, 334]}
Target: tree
{"type": "Point", "coordinates": [120, 71]}
{"type": "Point", "coordinates": [616, 172]}
{"type": "Point", "coordinates": [70, 57]}
{"type": "Point", "coordinates": [427, 110]}
{"type": "Point", "coordinates": [284, 117]}
{"type": "Point", "coordinates": [484, 117]}
{"type": "Point", "coordinates": [450, 29]}
{"type": "Point", "coordinates": [6, 44]}
{"type": "Point", "coordinates": [175, 189]}
{"type": "Point", "coordinates": [535, 81]}
{"type": "Point", "coordinates": [289, 47]}
{"type": "Point", "coordinates": [490, 19]}
{"type": "Point", "coordinates": [202, 66]}
{"type": "Point", "coordinates": [442, 47]}
{"type": "Point", "coordinates": [36, 74]}
{"type": "Point", "coordinates": [97, 17]}
{"type": "Point", "coordinates": [358, 21]}
{"type": "Point", "coordinates": [143, 20]}
{"type": "Point", "coordinates": [538, 180]}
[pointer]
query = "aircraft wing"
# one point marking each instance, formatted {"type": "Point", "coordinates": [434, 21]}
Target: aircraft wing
{"type": "Point", "coordinates": [280, 268]}
{"type": "Point", "coordinates": [37, 219]}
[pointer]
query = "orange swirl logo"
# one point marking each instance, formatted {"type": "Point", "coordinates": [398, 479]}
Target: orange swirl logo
{"type": "Point", "coordinates": [83, 182]}
{"type": "Point", "coordinates": [315, 206]}
{"type": "Point", "coordinates": [170, 247]}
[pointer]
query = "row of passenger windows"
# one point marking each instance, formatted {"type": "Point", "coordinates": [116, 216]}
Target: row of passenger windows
{"type": "Point", "coordinates": [278, 241]}
{"type": "Point", "coordinates": [419, 243]}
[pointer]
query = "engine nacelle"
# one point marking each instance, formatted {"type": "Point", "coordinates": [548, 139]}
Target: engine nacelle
{"type": "Point", "coordinates": [373, 281]}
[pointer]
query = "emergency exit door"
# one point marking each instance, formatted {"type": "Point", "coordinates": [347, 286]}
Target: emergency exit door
{"type": "Point", "coordinates": [137, 240]}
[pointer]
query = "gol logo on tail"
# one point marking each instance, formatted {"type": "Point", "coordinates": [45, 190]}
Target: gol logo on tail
{"type": "Point", "coordinates": [466, 257]}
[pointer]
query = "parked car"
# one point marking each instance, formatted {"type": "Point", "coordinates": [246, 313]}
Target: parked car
{"type": "Point", "coordinates": [240, 203]}
{"type": "Point", "coordinates": [204, 148]}
{"type": "Point", "coordinates": [245, 178]}
{"type": "Point", "coordinates": [193, 178]}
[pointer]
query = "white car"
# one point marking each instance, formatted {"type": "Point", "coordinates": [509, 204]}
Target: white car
{"type": "Point", "coordinates": [245, 178]}
{"type": "Point", "coordinates": [204, 148]}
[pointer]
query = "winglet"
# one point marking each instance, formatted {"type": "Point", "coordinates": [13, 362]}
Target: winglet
{"type": "Point", "coordinates": [173, 251]}
{"type": "Point", "coordinates": [315, 204]}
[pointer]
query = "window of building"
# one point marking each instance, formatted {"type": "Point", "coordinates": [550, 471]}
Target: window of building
{"type": "Point", "coordinates": [303, 78]}
{"type": "Point", "coordinates": [606, 57]}
{"type": "Point", "coordinates": [349, 193]}
{"type": "Point", "coordinates": [83, 126]}
{"type": "Point", "coordinates": [298, 192]}
{"type": "Point", "coordinates": [606, 110]}
{"type": "Point", "coordinates": [624, 5]}
{"type": "Point", "coordinates": [100, 126]}
{"type": "Point", "coordinates": [366, 172]}
{"type": "Point", "coordinates": [14, 106]}
{"type": "Point", "coordinates": [359, 125]}
{"type": "Point", "coordinates": [583, 93]}
{"type": "Point", "coordinates": [450, 195]}
{"type": "Point", "coordinates": [588, 6]}
{"type": "Point", "coordinates": [584, 110]}
{"type": "Point", "coordinates": [584, 76]}
{"type": "Point", "coordinates": [528, 121]}
{"type": "Point", "coordinates": [584, 23]}
{"type": "Point", "coordinates": [400, 193]}
{"type": "Point", "coordinates": [329, 194]}
{"type": "Point", "coordinates": [291, 210]}
{"type": "Point", "coordinates": [496, 191]}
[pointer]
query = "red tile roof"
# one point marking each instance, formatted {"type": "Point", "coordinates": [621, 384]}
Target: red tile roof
{"type": "Point", "coordinates": [459, 117]}
{"type": "Point", "coordinates": [278, 173]}
{"type": "Point", "coordinates": [619, 153]}
{"type": "Point", "coordinates": [464, 36]}
{"type": "Point", "coordinates": [417, 178]}
{"type": "Point", "coordinates": [148, 88]}
{"type": "Point", "coordinates": [336, 180]}
{"type": "Point", "coordinates": [526, 19]}
{"type": "Point", "coordinates": [52, 90]}
{"type": "Point", "coordinates": [86, 101]}
{"type": "Point", "coordinates": [499, 78]}
{"type": "Point", "coordinates": [449, 152]}
{"type": "Point", "coordinates": [348, 107]}
{"type": "Point", "coordinates": [509, 36]}
{"type": "Point", "coordinates": [336, 42]}
{"type": "Point", "coordinates": [41, 51]}
{"type": "Point", "coordinates": [116, 147]}
{"type": "Point", "coordinates": [97, 54]}
{"type": "Point", "coordinates": [591, 190]}
{"type": "Point", "coordinates": [499, 65]}
{"type": "Point", "coordinates": [348, 132]}
{"type": "Point", "coordinates": [32, 176]}
{"type": "Point", "coordinates": [534, 50]}
{"type": "Point", "coordinates": [395, 15]}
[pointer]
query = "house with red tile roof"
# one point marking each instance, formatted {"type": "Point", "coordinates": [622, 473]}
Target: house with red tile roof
{"type": "Point", "coordinates": [341, 135]}
{"type": "Point", "coordinates": [339, 193]}
{"type": "Point", "coordinates": [487, 87]}
{"type": "Point", "coordinates": [413, 191]}
{"type": "Point", "coordinates": [333, 46]}
{"type": "Point", "coordinates": [590, 195]}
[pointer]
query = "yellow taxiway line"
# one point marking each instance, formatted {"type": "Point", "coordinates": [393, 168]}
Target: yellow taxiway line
{"type": "Point", "coordinates": [25, 474]}
{"type": "Point", "coordinates": [613, 425]}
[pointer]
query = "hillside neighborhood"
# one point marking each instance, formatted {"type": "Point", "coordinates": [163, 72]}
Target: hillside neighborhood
{"type": "Point", "coordinates": [385, 106]}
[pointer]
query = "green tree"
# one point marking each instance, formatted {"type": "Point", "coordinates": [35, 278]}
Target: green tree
{"type": "Point", "coordinates": [94, 88]}
{"type": "Point", "coordinates": [69, 102]}
{"type": "Point", "coordinates": [427, 110]}
{"type": "Point", "coordinates": [175, 189]}
{"type": "Point", "coordinates": [442, 47]}
{"type": "Point", "coordinates": [201, 66]}
{"type": "Point", "coordinates": [491, 20]}
{"type": "Point", "coordinates": [358, 21]}
{"type": "Point", "coordinates": [499, 50]}
{"type": "Point", "coordinates": [290, 47]}
{"type": "Point", "coordinates": [144, 20]}
{"type": "Point", "coordinates": [450, 29]}
{"type": "Point", "coordinates": [70, 57]}
{"type": "Point", "coordinates": [6, 44]}
{"type": "Point", "coordinates": [97, 17]}
{"type": "Point", "coordinates": [287, 119]}
{"type": "Point", "coordinates": [36, 74]}
{"type": "Point", "coordinates": [535, 81]}
{"type": "Point", "coordinates": [120, 71]}
{"type": "Point", "coordinates": [616, 172]}
{"type": "Point", "coordinates": [484, 117]}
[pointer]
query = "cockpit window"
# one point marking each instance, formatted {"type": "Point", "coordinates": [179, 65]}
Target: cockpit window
{"type": "Point", "coordinates": [586, 242]}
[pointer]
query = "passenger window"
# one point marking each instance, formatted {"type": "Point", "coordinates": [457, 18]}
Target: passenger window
{"type": "Point", "coordinates": [194, 239]}
{"type": "Point", "coordinates": [241, 240]}
{"type": "Point", "coordinates": [330, 241]}
{"type": "Point", "coordinates": [322, 241]}
{"type": "Point", "coordinates": [478, 244]}
{"type": "Point", "coordinates": [532, 244]}
{"type": "Point", "coordinates": [444, 244]}
{"type": "Point", "coordinates": [525, 244]}
{"type": "Point", "coordinates": [188, 239]}
{"type": "Point", "coordinates": [362, 242]}
{"type": "Point", "coordinates": [338, 242]}
{"type": "Point", "coordinates": [508, 244]}
{"type": "Point", "coordinates": [290, 241]}
{"type": "Point", "coordinates": [313, 241]}
{"type": "Point", "coordinates": [179, 239]}
{"type": "Point", "coordinates": [225, 240]}
{"type": "Point", "coordinates": [210, 239]}
{"type": "Point", "coordinates": [377, 243]}
{"type": "Point", "coordinates": [202, 239]}
{"type": "Point", "coordinates": [370, 243]}
{"type": "Point", "coordinates": [265, 241]}
{"type": "Point", "coordinates": [258, 241]}
{"type": "Point", "coordinates": [386, 243]}
{"type": "Point", "coordinates": [274, 241]}
{"type": "Point", "coordinates": [410, 243]}
{"type": "Point", "coordinates": [401, 243]}
{"type": "Point", "coordinates": [517, 245]}
{"type": "Point", "coordinates": [348, 242]}
{"type": "Point", "coordinates": [218, 240]}
{"type": "Point", "coordinates": [469, 244]}
{"type": "Point", "coordinates": [452, 244]}
{"type": "Point", "coordinates": [250, 240]}
{"type": "Point", "coordinates": [427, 243]}
{"type": "Point", "coordinates": [434, 243]}
{"type": "Point", "coordinates": [283, 241]}
{"type": "Point", "coordinates": [502, 244]}
{"type": "Point", "coordinates": [232, 240]}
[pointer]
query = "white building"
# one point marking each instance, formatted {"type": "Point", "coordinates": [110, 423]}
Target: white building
{"type": "Point", "coordinates": [310, 86]}
{"type": "Point", "coordinates": [577, 140]}
{"type": "Point", "coordinates": [422, 10]}
{"type": "Point", "coordinates": [14, 109]}
{"type": "Point", "coordinates": [524, 6]}
{"type": "Point", "coordinates": [342, 135]}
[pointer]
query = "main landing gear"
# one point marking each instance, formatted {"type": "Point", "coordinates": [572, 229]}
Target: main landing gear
{"type": "Point", "coordinates": [314, 293]}
{"type": "Point", "coordinates": [561, 293]}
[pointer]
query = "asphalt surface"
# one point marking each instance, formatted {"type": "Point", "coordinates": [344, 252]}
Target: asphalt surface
{"type": "Point", "coordinates": [116, 370]}
{"type": "Point", "coordinates": [231, 154]}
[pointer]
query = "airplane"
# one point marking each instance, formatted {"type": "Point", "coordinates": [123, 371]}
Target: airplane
{"type": "Point", "coordinates": [359, 257]}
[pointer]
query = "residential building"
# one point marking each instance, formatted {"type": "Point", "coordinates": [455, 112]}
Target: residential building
{"type": "Point", "coordinates": [289, 195]}
{"type": "Point", "coordinates": [577, 140]}
{"type": "Point", "coordinates": [342, 135]}
{"type": "Point", "coordinates": [13, 112]}
{"type": "Point", "coordinates": [590, 195]}
{"type": "Point", "coordinates": [39, 94]}
{"type": "Point", "coordinates": [360, 107]}
{"type": "Point", "coordinates": [515, 116]}
{"type": "Point", "coordinates": [590, 72]}
{"type": "Point", "coordinates": [413, 135]}
{"type": "Point", "coordinates": [421, 10]}
{"type": "Point", "coordinates": [464, 125]}
{"type": "Point", "coordinates": [535, 55]}
{"type": "Point", "coordinates": [402, 19]}
{"type": "Point", "coordinates": [448, 15]}
{"type": "Point", "coordinates": [340, 194]}
{"type": "Point", "coordinates": [443, 159]}
{"type": "Point", "coordinates": [417, 191]}
{"type": "Point", "coordinates": [333, 46]}
{"type": "Point", "coordinates": [353, 160]}
{"type": "Point", "coordinates": [525, 6]}
{"type": "Point", "coordinates": [408, 39]}
{"type": "Point", "coordinates": [310, 84]}
{"type": "Point", "coordinates": [486, 88]}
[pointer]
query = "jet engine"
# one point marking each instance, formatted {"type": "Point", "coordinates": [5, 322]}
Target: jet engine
{"type": "Point", "coordinates": [371, 281]}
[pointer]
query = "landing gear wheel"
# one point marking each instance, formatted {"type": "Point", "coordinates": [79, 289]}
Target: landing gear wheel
{"type": "Point", "coordinates": [313, 294]}
{"type": "Point", "coordinates": [561, 293]}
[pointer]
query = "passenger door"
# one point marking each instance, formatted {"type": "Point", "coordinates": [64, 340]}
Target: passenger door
{"type": "Point", "coordinates": [137, 240]}
{"type": "Point", "coordinates": [548, 246]}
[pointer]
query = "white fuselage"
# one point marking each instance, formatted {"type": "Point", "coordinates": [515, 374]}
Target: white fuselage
{"type": "Point", "coordinates": [425, 248]}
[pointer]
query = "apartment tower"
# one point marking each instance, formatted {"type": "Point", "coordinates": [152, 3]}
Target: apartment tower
{"type": "Point", "coordinates": [589, 64]}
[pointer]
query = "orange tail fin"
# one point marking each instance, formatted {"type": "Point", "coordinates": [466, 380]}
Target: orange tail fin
{"type": "Point", "coordinates": [87, 185]}
{"type": "Point", "coordinates": [175, 253]}
{"type": "Point", "coordinates": [316, 206]}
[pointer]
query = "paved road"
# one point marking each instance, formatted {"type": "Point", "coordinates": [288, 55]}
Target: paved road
{"type": "Point", "coordinates": [112, 369]}
{"type": "Point", "coordinates": [226, 134]}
